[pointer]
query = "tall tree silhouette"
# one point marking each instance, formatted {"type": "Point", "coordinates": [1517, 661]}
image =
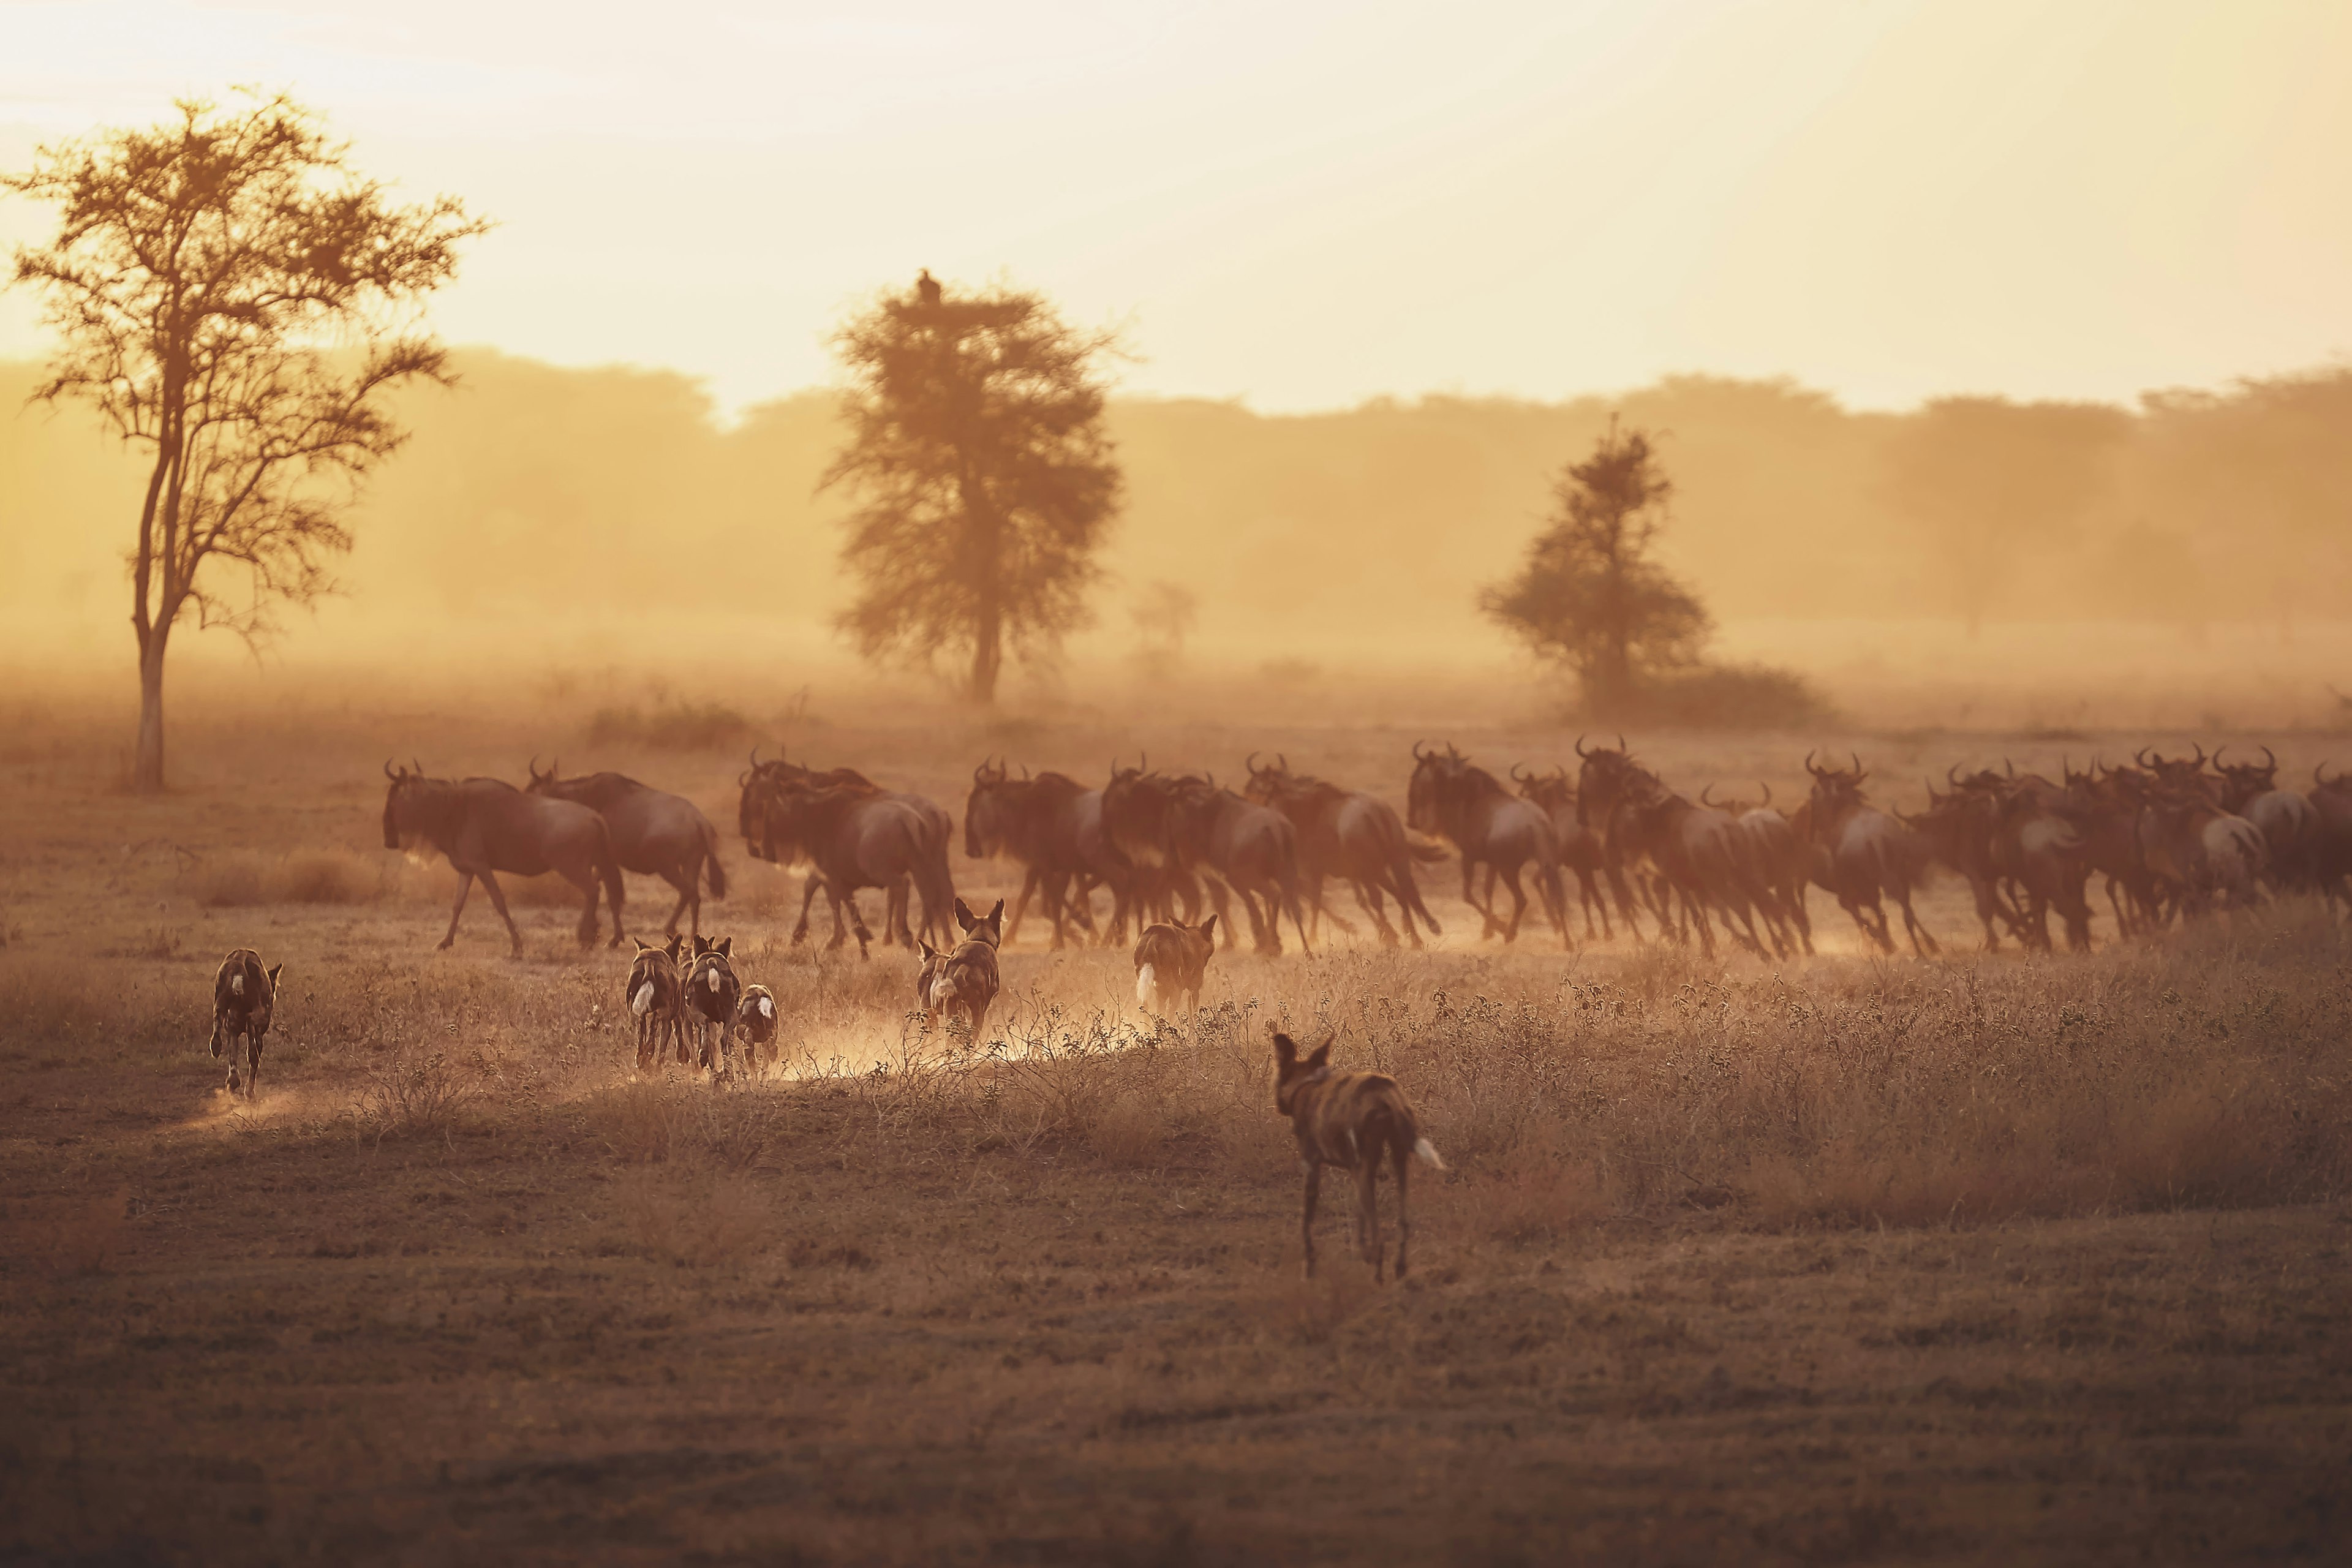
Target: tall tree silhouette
{"type": "Point", "coordinates": [234, 301]}
{"type": "Point", "coordinates": [983, 476]}
{"type": "Point", "coordinates": [1590, 595]}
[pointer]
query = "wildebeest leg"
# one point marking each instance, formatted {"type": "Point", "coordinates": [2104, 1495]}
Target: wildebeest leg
{"type": "Point", "coordinates": [1918, 934]}
{"type": "Point", "coordinates": [1588, 895]}
{"type": "Point", "coordinates": [1368, 900]}
{"type": "Point", "coordinates": [896, 926]}
{"type": "Point", "coordinates": [1020, 904]}
{"type": "Point", "coordinates": [809, 885]}
{"type": "Point", "coordinates": [684, 896]}
{"type": "Point", "coordinates": [1054, 885]}
{"type": "Point", "coordinates": [1367, 1212]}
{"type": "Point", "coordinates": [465, 886]}
{"type": "Point", "coordinates": [1307, 1213]}
{"type": "Point", "coordinates": [1224, 905]}
{"type": "Point", "coordinates": [498, 902]}
{"type": "Point", "coordinates": [1470, 896]}
{"type": "Point", "coordinates": [1695, 914]}
{"type": "Point", "coordinates": [1510, 875]}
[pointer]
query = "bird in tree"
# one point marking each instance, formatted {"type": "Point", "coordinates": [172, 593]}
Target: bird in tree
{"type": "Point", "coordinates": [236, 302]}
{"type": "Point", "coordinates": [1590, 595]}
{"type": "Point", "coordinates": [983, 478]}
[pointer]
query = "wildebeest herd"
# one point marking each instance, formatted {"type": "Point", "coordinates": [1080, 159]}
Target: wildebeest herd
{"type": "Point", "coordinates": [2168, 838]}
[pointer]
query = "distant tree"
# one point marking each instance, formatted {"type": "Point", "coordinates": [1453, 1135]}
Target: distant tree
{"type": "Point", "coordinates": [1163, 614]}
{"type": "Point", "coordinates": [1590, 595]}
{"type": "Point", "coordinates": [234, 300]}
{"type": "Point", "coordinates": [984, 476]}
{"type": "Point", "coordinates": [1988, 480]}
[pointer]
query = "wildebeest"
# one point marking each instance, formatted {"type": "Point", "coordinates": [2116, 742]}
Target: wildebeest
{"type": "Point", "coordinates": [653, 992]}
{"type": "Point", "coordinates": [1580, 845]}
{"type": "Point", "coordinates": [2289, 824]}
{"type": "Point", "coordinates": [1957, 830]}
{"type": "Point", "coordinates": [1609, 783]}
{"type": "Point", "coordinates": [1053, 826]}
{"type": "Point", "coordinates": [1704, 859]}
{"type": "Point", "coordinates": [1870, 855]}
{"type": "Point", "coordinates": [1238, 845]}
{"type": "Point", "coordinates": [1354, 835]}
{"type": "Point", "coordinates": [487, 825]}
{"type": "Point", "coordinates": [2204, 852]}
{"type": "Point", "coordinates": [2105, 804]}
{"type": "Point", "coordinates": [713, 995]}
{"type": "Point", "coordinates": [1350, 1119]}
{"type": "Point", "coordinates": [1449, 797]}
{"type": "Point", "coordinates": [755, 1022]}
{"type": "Point", "coordinates": [1172, 960]}
{"type": "Point", "coordinates": [854, 839]}
{"type": "Point", "coordinates": [655, 833]}
{"type": "Point", "coordinates": [1781, 860]}
{"type": "Point", "coordinates": [765, 781]}
{"type": "Point", "coordinates": [2331, 803]}
{"type": "Point", "coordinates": [245, 1000]}
{"type": "Point", "coordinates": [965, 982]}
{"type": "Point", "coordinates": [1139, 815]}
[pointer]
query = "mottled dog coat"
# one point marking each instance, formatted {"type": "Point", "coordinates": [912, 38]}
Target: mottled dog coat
{"type": "Point", "coordinates": [713, 995]}
{"type": "Point", "coordinates": [244, 998]}
{"type": "Point", "coordinates": [965, 981]}
{"type": "Point", "coordinates": [1171, 961]}
{"type": "Point", "coordinates": [1350, 1119]}
{"type": "Point", "coordinates": [653, 993]}
{"type": "Point", "coordinates": [755, 1021]}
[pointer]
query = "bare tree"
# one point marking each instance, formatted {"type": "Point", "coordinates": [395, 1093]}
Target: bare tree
{"type": "Point", "coordinates": [984, 476]}
{"type": "Point", "coordinates": [1590, 595]}
{"type": "Point", "coordinates": [234, 301]}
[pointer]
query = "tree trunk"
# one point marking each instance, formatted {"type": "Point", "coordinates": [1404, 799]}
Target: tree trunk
{"type": "Point", "coordinates": [987, 653]}
{"type": "Point", "coordinates": [147, 761]}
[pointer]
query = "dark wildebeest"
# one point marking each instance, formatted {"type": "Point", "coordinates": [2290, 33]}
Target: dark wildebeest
{"type": "Point", "coordinates": [1780, 860]}
{"type": "Point", "coordinates": [853, 839]}
{"type": "Point", "coordinates": [1354, 835]}
{"type": "Point", "coordinates": [2288, 822]}
{"type": "Point", "coordinates": [1487, 826]}
{"type": "Point", "coordinates": [1138, 812]}
{"type": "Point", "coordinates": [1957, 830]}
{"type": "Point", "coordinates": [2105, 804]}
{"type": "Point", "coordinates": [486, 826]}
{"type": "Point", "coordinates": [965, 982]}
{"type": "Point", "coordinates": [654, 990]}
{"type": "Point", "coordinates": [1706, 860]}
{"type": "Point", "coordinates": [2039, 848]}
{"type": "Point", "coordinates": [245, 999]}
{"type": "Point", "coordinates": [1053, 826]}
{"type": "Point", "coordinates": [2200, 851]}
{"type": "Point", "coordinates": [1172, 960]}
{"type": "Point", "coordinates": [2331, 803]}
{"type": "Point", "coordinates": [1350, 1119]}
{"type": "Point", "coordinates": [1580, 845]}
{"type": "Point", "coordinates": [762, 782]}
{"type": "Point", "coordinates": [714, 995]}
{"type": "Point", "coordinates": [1251, 850]}
{"type": "Point", "coordinates": [655, 833]}
{"type": "Point", "coordinates": [1609, 783]}
{"type": "Point", "coordinates": [1871, 855]}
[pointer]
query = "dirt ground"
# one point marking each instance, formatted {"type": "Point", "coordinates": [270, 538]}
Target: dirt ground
{"type": "Point", "coordinates": [461, 1286]}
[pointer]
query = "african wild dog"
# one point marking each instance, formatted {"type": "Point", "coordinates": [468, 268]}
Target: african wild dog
{"type": "Point", "coordinates": [654, 991]}
{"type": "Point", "coordinates": [713, 995]}
{"type": "Point", "coordinates": [1349, 1120]}
{"type": "Point", "coordinates": [965, 981]}
{"type": "Point", "coordinates": [245, 995]}
{"type": "Point", "coordinates": [755, 1020]}
{"type": "Point", "coordinates": [1171, 961]}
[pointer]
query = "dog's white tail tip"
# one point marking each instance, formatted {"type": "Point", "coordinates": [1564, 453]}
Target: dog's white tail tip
{"type": "Point", "coordinates": [236, 983]}
{"type": "Point", "coordinates": [1426, 1153]}
{"type": "Point", "coordinates": [1147, 986]}
{"type": "Point", "coordinates": [643, 1002]}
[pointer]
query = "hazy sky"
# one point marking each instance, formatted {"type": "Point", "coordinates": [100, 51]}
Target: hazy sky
{"type": "Point", "coordinates": [1308, 203]}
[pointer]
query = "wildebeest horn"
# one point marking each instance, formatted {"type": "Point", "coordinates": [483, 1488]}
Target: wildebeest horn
{"type": "Point", "coordinates": [2010, 765]}
{"type": "Point", "coordinates": [1809, 766]}
{"type": "Point", "coordinates": [755, 754]}
{"type": "Point", "coordinates": [1579, 746]}
{"type": "Point", "coordinates": [417, 765]}
{"type": "Point", "coordinates": [1519, 777]}
{"type": "Point", "coordinates": [2201, 755]}
{"type": "Point", "coordinates": [2320, 772]}
{"type": "Point", "coordinates": [390, 775]}
{"type": "Point", "coordinates": [1857, 762]}
{"type": "Point", "coordinates": [531, 767]}
{"type": "Point", "coordinates": [2140, 756]}
{"type": "Point", "coordinates": [2217, 751]}
{"type": "Point", "coordinates": [1703, 794]}
{"type": "Point", "coordinates": [1250, 764]}
{"type": "Point", "coordinates": [1767, 789]}
{"type": "Point", "coordinates": [2270, 759]}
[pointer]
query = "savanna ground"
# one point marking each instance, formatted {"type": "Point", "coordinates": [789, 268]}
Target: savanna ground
{"type": "Point", "coordinates": [1841, 1259]}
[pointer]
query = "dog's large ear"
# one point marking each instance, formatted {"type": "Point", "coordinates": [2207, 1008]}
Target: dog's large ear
{"type": "Point", "coordinates": [275, 970]}
{"type": "Point", "coordinates": [1285, 1049]}
{"type": "Point", "coordinates": [964, 917]}
{"type": "Point", "coordinates": [1208, 930]}
{"type": "Point", "coordinates": [676, 947]}
{"type": "Point", "coordinates": [930, 953]}
{"type": "Point", "coordinates": [726, 948]}
{"type": "Point", "coordinates": [642, 946]}
{"type": "Point", "coordinates": [995, 920]}
{"type": "Point", "coordinates": [1322, 1057]}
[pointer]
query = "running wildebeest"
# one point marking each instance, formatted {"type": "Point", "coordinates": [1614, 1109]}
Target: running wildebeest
{"type": "Point", "coordinates": [1871, 855]}
{"type": "Point", "coordinates": [1172, 960]}
{"type": "Point", "coordinates": [2288, 822]}
{"type": "Point", "coordinates": [853, 839]}
{"type": "Point", "coordinates": [1251, 850]}
{"type": "Point", "coordinates": [1354, 835]}
{"type": "Point", "coordinates": [245, 999]}
{"type": "Point", "coordinates": [1053, 826]}
{"type": "Point", "coordinates": [1139, 814]}
{"type": "Point", "coordinates": [2200, 851]}
{"type": "Point", "coordinates": [714, 993]}
{"type": "Point", "coordinates": [1449, 798]}
{"type": "Point", "coordinates": [1704, 859]}
{"type": "Point", "coordinates": [1580, 845]}
{"type": "Point", "coordinates": [1782, 860]}
{"type": "Point", "coordinates": [765, 781]}
{"type": "Point", "coordinates": [653, 992]}
{"type": "Point", "coordinates": [1350, 1119]}
{"type": "Point", "coordinates": [965, 982]}
{"type": "Point", "coordinates": [487, 825]}
{"type": "Point", "coordinates": [655, 833]}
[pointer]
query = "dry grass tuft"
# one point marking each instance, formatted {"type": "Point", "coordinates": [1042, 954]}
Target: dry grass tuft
{"type": "Point", "coordinates": [414, 1093]}
{"type": "Point", "coordinates": [315, 875]}
{"type": "Point", "coordinates": [695, 1219]}
{"type": "Point", "coordinates": [1312, 1311]}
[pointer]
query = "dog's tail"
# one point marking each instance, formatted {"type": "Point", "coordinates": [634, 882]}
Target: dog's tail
{"type": "Point", "coordinates": [643, 1002]}
{"type": "Point", "coordinates": [1147, 986]}
{"type": "Point", "coordinates": [1426, 1153]}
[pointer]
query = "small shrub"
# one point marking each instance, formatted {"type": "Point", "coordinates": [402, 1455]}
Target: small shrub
{"type": "Point", "coordinates": [696, 1222]}
{"type": "Point", "coordinates": [415, 1094]}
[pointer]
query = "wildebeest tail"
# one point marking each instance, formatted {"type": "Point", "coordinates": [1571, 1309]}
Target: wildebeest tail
{"type": "Point", "coordinates": [713, 872]}
{"type": "Point", "coordinates": [608, 869]}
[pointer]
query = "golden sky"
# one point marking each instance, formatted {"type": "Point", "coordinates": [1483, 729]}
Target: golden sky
{"type": "Point", "coordinates": [1305, 205]}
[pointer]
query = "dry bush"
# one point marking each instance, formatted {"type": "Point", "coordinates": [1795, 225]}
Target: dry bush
{"type": "Point", "coordinates": [1535, 1201]}
{"type": "Point", "coordinates": [325, 877]}
{"type": "Point", "coordinates": [638, 1121]}
{"type": "Point", "coordinates": [416, 1093]}
{"type": "Point", "coordinates": [670, 727]}
{"type": "Point", "coordinates": [1304, 1312]}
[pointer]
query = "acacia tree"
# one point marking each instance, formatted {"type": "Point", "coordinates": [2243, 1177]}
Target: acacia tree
{"type": "Point", "coordinates": [984, 478]}
{"type": "Point", "coordinates": [1591, 596]}
{"type": "Point", "coordinates": [235, 301]}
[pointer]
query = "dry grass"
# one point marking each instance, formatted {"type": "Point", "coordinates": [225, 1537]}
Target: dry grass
{"type": "Point", "coordinates": [311, 875]}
